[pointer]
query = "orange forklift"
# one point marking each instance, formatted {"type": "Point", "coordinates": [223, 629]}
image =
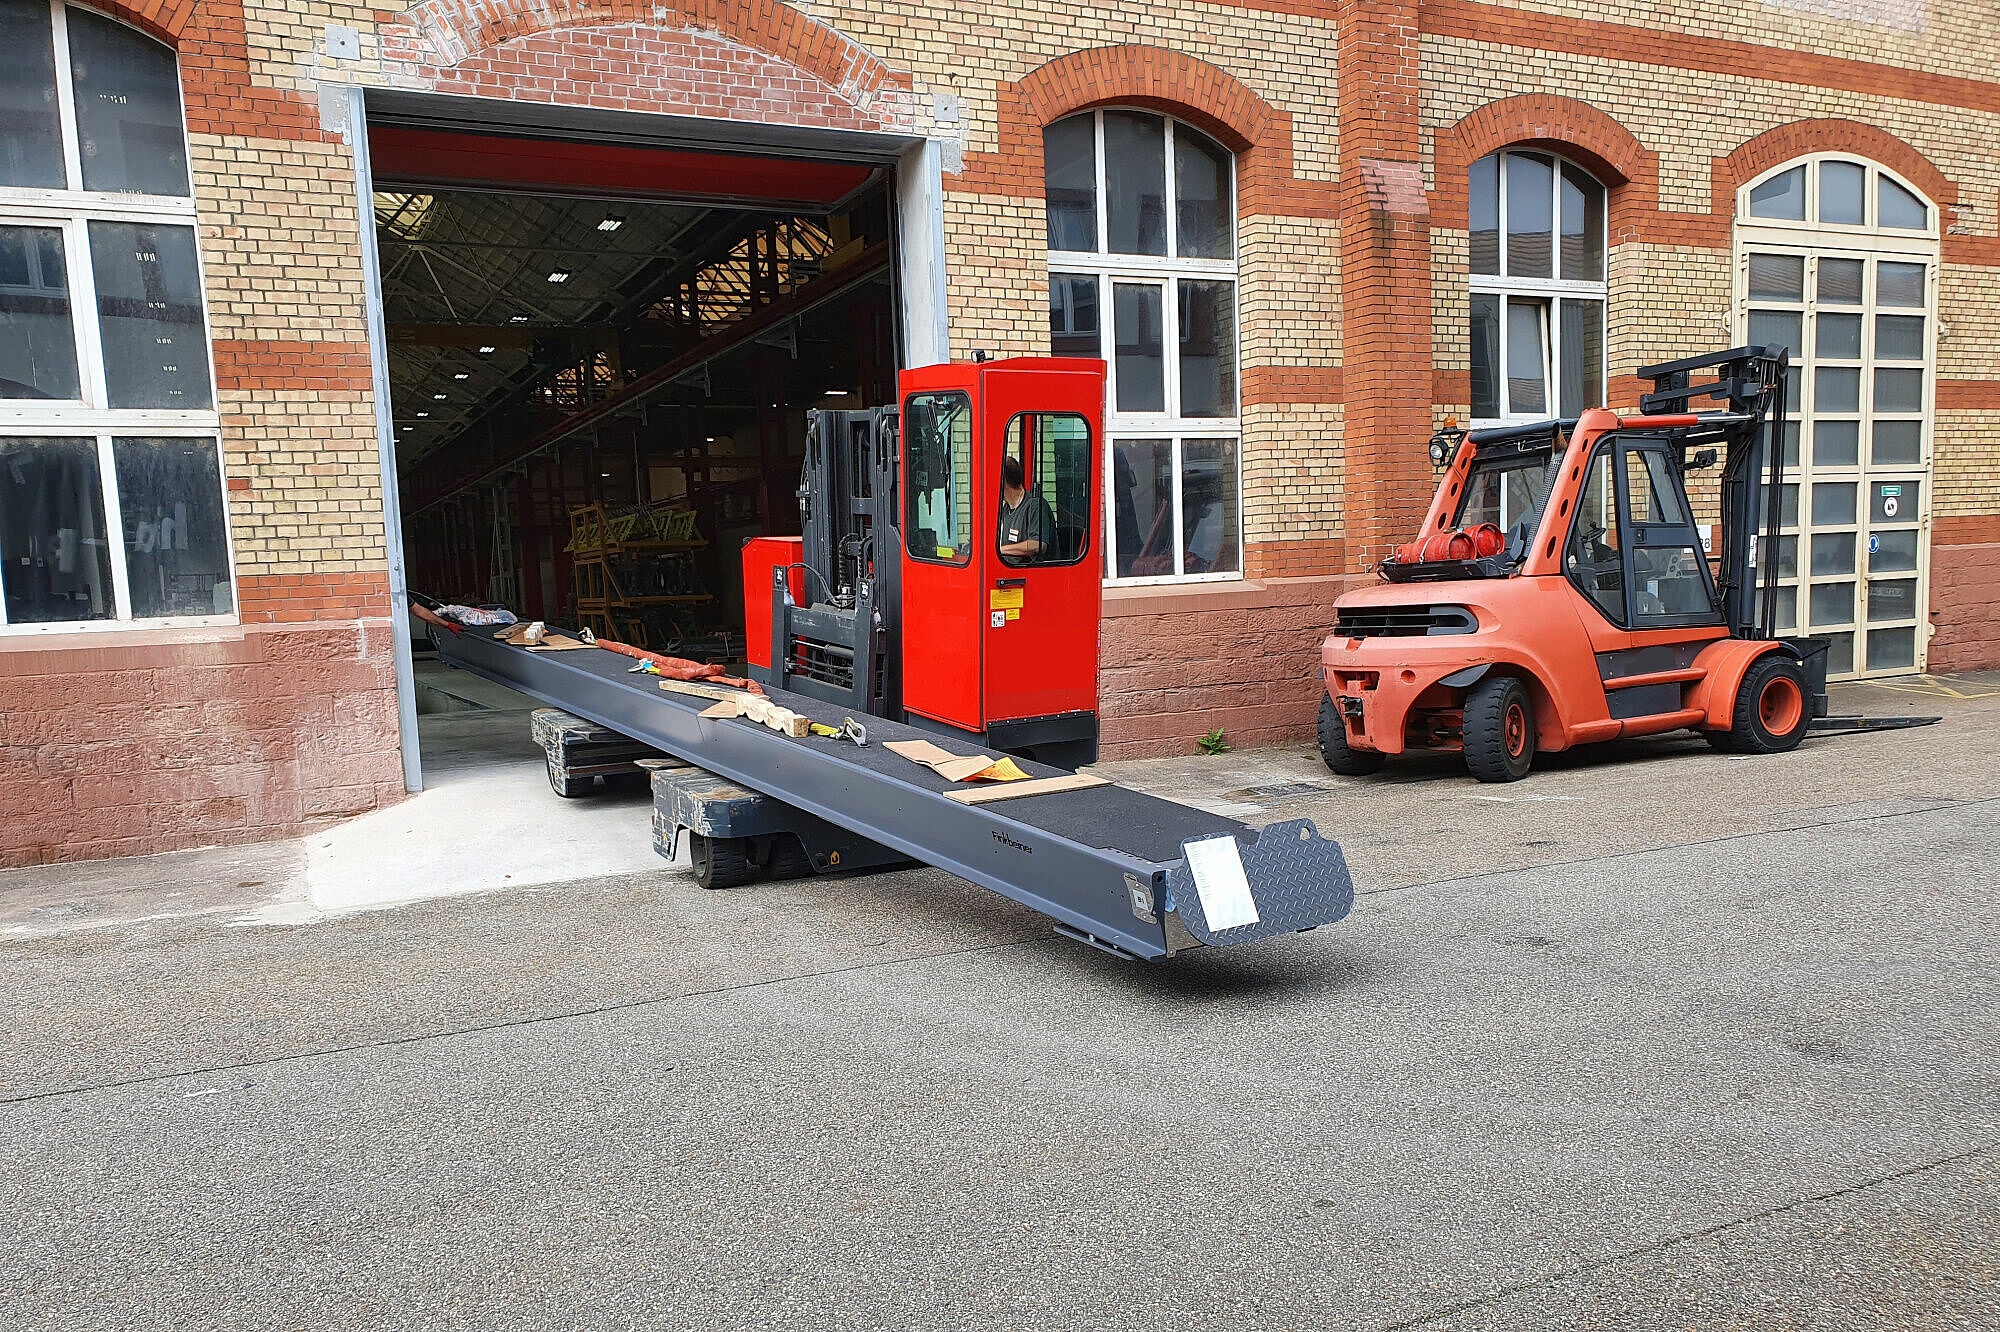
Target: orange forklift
{"type": "Point", "coordinates": [1560, 591]}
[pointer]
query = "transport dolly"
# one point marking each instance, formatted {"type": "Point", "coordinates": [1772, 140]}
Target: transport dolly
{"type": "Point", "coordinates": [579, 752]}
{"type": "Point", "coordinates": [1124, 871]}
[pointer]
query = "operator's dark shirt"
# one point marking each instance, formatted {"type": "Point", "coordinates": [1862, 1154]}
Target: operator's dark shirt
{"type": "Point", "coordinates": [1030, 520]}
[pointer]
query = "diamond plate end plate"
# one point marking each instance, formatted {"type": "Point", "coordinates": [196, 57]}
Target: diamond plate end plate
{"type": "Point", "coordinates": [1297, 878]}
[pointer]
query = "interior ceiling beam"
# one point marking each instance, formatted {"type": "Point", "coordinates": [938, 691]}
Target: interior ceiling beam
{"type": "Point", "coordinates": [870, 262]}
{"type": "Point", "coordinates": [496, 335]}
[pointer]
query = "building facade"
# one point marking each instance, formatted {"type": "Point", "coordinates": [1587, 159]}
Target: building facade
{"type": "Point", "coordinates": [1303, 232]}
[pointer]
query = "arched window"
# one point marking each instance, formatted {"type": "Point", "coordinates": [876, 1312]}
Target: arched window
{"type": "Point", "coordinates": [1142, 272]}
{"type": "Point", "coordinates": [111, 500]}
{"type": "Point", "coordinates": [1836, 258]}
{"type": "Point", "coordinates": [1537, 238]}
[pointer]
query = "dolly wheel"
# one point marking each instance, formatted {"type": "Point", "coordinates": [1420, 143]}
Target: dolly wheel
{"type": "Point", "coordinates": [1771, 712]}
{"type": "Point", "coordinates": [566, 786]}
{"type": "Point", "coordinates": [789, 859]}
{"type": "Point", "coordinates": [1499, 730]}
{"type": "Point", "coordinates": [720, 862]}
{"type": "Point", "coordinates": [1333, 747]}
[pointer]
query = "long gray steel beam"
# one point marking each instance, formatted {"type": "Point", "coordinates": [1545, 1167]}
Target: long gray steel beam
{"type": "Point", "coordinates": [1107, 863]}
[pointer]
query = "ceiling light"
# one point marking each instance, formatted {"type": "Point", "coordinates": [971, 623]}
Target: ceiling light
{"type": "Point", "coordinates": [559, 275]}
{"type": "Point", "coordinates": [423, 413]}
{"type": "Point", "coordinates": [517, 319]}
{"type": "Point", "coordinates": [461, 375]}
{"type": "Point", "coordinates": [606, 475]}
{"type": "Point", "coordinates": [611, 224]}
{"type": "Point", "coordinates": [488, 351]}
{"type": "Point", "coordinates": [711, 439]}
{"type": "Point", "coordinates": [836, 393]}
{"type": "Point", "coordinates": [408, 429]}
{"type": "Point", "coordinates": [437, 397]}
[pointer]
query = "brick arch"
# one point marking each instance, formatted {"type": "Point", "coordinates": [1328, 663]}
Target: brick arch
{"type": "Point", "coordinates": [1801, 138]}
{"type": "Point", "coordinates": [437, 35]}
{"type": "Point", "coordinates": [163, 20]}
{"type": "Point", "coordinates": [1575, 129]}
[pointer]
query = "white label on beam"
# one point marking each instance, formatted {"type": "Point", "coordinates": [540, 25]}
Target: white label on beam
{"type": "Point", "coordinates": [1217, 868]}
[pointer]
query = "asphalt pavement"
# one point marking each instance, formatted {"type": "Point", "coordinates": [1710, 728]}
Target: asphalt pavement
{"type": "Point", "coordinates": [1656, 1038]}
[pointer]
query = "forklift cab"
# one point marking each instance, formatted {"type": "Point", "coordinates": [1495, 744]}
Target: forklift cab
{"type": "Point", "coordinates": [1000, 644]}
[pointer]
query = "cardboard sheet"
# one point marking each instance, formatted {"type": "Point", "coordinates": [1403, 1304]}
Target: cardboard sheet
{"type": "Point", "coordinates": [958, 767]}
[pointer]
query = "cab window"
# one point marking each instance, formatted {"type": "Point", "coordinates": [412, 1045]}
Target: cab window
{"type": "Point", "coordinates": [1052, 449]}
{"type": "Point", "coordinates": [1592, 557]}
{"type": "Point", "coordinates": [937, 493]}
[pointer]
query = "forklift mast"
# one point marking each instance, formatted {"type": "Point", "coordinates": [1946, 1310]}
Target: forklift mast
{"type": "Point", "coordinates": [1753, 382]}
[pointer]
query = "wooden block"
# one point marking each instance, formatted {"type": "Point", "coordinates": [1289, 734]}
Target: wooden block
{"type": "Point", "coordinates": [696, 690]}
{"type": "Point", "coordinates": [981, 795]}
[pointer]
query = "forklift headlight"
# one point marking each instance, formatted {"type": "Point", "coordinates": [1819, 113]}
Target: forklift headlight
{"type": "Point", "coordinates": [1439, 452]}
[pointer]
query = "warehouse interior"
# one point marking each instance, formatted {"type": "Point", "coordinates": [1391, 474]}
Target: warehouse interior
{"type": "Point", "coordinates": [601, 358]}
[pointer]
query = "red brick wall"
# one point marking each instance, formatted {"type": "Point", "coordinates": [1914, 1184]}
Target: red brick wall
{"type": "Point", "coordinates": [127, 743]}
{"type": "Point", "coordinates": [1965, 594]}
{"type": "Point", "coordinates": [1241, 657]}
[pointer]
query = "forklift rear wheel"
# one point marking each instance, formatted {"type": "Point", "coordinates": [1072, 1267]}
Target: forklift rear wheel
{"type": "Point", "coordinates": [1334, 749]}
{"type": "Point", "coordinates": [566, 786]}
{"type": "Point", "coordinates": [720, 862]}
{"type": "Point", "coordinates": [789, 859]}
{"type": "Point", "coordinates": [1771, 713]}
{"type": "Point", "coordinates": [1499, 730]}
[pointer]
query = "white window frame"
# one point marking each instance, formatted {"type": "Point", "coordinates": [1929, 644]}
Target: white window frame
{"type": "Point", "coordinates": [1813, 241]}
{"type": "Point", "coordinates": [1549, 291]}
{"type": "Point", "coordinates": [1166, 271]}
{"type": "Point", "coordinates": [71, 211]}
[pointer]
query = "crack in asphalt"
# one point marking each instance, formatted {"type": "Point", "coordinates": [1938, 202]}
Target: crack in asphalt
{"type": "Point", "coordinates": [532, 1019]}
{"type": "Point", "coordinates": [1674, 1241]}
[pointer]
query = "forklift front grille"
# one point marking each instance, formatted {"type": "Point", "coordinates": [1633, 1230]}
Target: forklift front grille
{"type": "Point", "coordinates": [1404, 621]}
{"type": "Point", "coordinates": [829, 663]}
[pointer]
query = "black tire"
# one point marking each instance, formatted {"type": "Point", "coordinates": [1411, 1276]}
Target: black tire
{"type": "Point", "coordinates": [569, 788]}
{"type": "Point", "coordinates": [1499, 729]}
{"type": "Point", "coordinates": [789, 859]}
{"type": "Point", "coordinates": [720, 862]}
{"type": "Point", "coordinates": [1333, 746]}
{"type": "Point", "coordinates": [1772, 711]}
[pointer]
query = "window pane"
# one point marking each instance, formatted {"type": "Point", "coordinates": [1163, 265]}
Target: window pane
{"type": "Point", "coordinates": [1836, 443]}
{"type": "Point", "coordinates": [37, 342]}
{"type": "Point", "coordinates": [128, 108]}
{"type": "Point", "coordinates": [1483, 214]}
{"type": "Point", "coordinates": [1893, 501]}
{"type": "Point", "coordinates": [1527, 361]}
{"type": "Point", "coordinates": [1582, 227]}
{"type": "Point", "coordinates": [1073, 326]}
{"type": "Point", "coordinates": [1788, 506]}
{"type": "Point", "coordinates": [1899, 285]}
{"type": "Point", "coordinates": [1841, 193]}
{"type": "Point", "coordinates": [1776, 328]}
{"type": "Point", "coordinates": [1897, 207]}
{"type": "Point", "coordinates": [1836, 389]}
{"type": "Point", "coordinates": [1788, 556]}
{"type": "Point", "coordinates": [937, 497]}
{"type": "Point", "coordinates": [149, 307]}
{"type": "Point", "coordinates": [1899, 390]}
{"type": "Point", "coordinates": [1069, 157]}
{"type": "Point", "coordinates": [1893, 552]}
{"type": "Point", "coordinates": [1592, 557]}
{"type": "Point", "coordinates": [1840, 282]}
{"type": "Point", "coordinates": [1485, 356]}
{"type": "Point", "coordinates": [1582, 371]}
{"type": "Point", "coordinates": [176, 537]}
{"type": "Point", "coordinates": [55, 556]}
{"type": "Point", "coordinates": [1831, 603]}
{"type": "Point", "coordinates": [1206, 228]}
{"type": "Point", "coordinates": [1782, 197]}
{"type": "Point", "coordinates": [1899, 337]}
{"type": "Point", "coordinates": [1209, 505]}
{"type": "Point", "coordinates": [1777, 277]}
{"type": "Point", "coordinates": [1897, 443]}
{"type": "Point", "coordinates": [1530, 228]}
{"type": "Point", "coordinates": [1833, 553]}
{"type": "Point", "coordinates": [1838, 336]}
{"type": "Point", "coordinates": [1889, 649]}
{"type": "Point", "coordinates": [1208, 348]}
{"type": "Point", "coordinates": [1140, 363]}
{"type": "Point", "coordinates": [1892, 598]}
{"type": "Point", "coordinates": [1833, 503]}
{"type": "Point", "coordinates": [1135, 182]}
{"type": "Point", "coordinates": [1053, 510]}
{"type": "Point", "coordinates": [1839, 654]}
{"type": "Point", "coordinates": [1142, 507]}
{"type": "Point", "coordinates": [30, 125]}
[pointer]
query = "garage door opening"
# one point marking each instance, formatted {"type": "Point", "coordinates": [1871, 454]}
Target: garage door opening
{"type": "Point", "coordinates": [600, 358]}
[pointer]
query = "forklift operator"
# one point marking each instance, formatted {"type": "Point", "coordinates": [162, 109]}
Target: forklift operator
{"type": "Point", "coordinates": [1026, 526]}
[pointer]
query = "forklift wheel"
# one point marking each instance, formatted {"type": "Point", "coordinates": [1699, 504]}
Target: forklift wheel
{"type": "Point", "coordinates": [789, 859]}
{"type": "Point", "coordinates": [720, 862]}
{"type": "Point", "coordinates": [1499, 730]}
{"type": "Point", "coordinates": [569, 788]}
{"type": "Point", "coordinates": [1333, 746]}
{"type": "Point", "coordinates": [1771, 712]}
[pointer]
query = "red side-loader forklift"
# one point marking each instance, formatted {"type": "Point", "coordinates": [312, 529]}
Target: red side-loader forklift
{"type": "Point", "coordinates": [1560, 591]}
